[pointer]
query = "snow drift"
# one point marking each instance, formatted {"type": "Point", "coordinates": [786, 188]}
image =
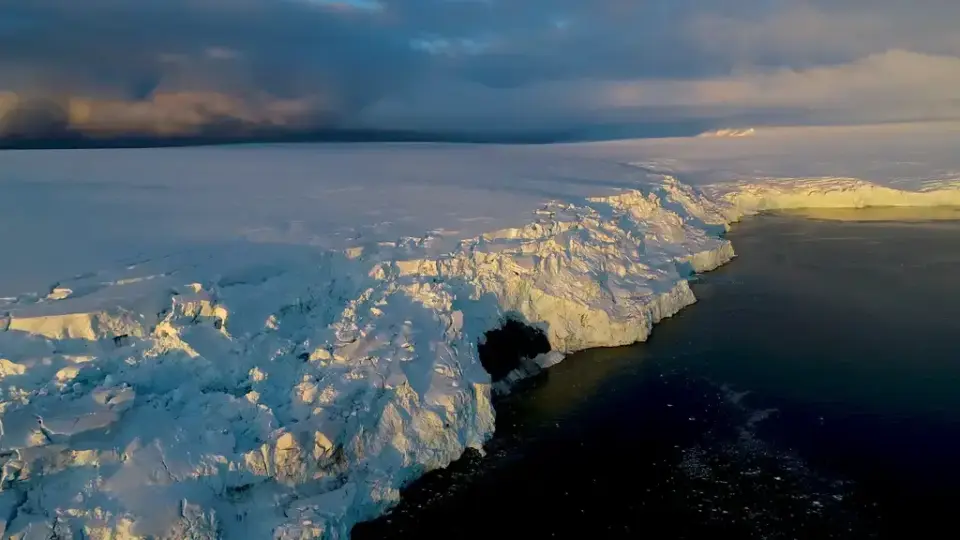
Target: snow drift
{"type": "Point", "coordinates": [213, 394]}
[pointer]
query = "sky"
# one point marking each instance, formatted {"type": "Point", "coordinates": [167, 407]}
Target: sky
{"type": "Point", "coordinates": [173, 67]}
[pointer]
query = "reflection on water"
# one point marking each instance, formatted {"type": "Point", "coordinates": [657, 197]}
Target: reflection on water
{"type": "Point", "coordinates": [863, 314]}
{"type": "Point", "coordinates": [813, 392]}
{"type": "Point", "coordinates": [878, 213]}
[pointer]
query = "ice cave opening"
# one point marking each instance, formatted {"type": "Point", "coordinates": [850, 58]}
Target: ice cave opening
{"type": "Point", "coordinates": [502, 349]}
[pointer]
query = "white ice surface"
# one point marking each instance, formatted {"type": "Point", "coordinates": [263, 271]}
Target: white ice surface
{"type": "Point", "coordinates": [268, 341]}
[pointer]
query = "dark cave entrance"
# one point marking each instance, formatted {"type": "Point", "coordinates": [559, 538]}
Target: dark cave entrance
{"type": "Point", "coordinates": [504, 348]}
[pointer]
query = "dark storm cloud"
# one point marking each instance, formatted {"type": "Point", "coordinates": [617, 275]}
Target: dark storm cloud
{"type": "Point", "coordinates": [170, 66]}
{"type": "Point", "coordinates": [129, 47]}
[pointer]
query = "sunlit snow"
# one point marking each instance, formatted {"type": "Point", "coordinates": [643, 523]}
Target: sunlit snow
{"type": "Point", "coordinates": [268, 341]}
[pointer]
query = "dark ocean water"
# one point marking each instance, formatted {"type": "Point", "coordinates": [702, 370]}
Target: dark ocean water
{"type": "Point", "coordinates": [813, 392]}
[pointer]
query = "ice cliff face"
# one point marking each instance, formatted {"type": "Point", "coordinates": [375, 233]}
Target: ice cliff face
{"type": "Point", "coordinates": [294, 402]}
{"type": "Point", "coordinates": [297, 403]}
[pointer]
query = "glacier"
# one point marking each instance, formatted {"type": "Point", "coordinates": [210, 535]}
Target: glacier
{"type": "Point", "coordinates": [270, 341]}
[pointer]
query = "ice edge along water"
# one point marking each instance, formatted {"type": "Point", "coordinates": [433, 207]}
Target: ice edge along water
{"type": "Point", "coordinates": [162, 417]}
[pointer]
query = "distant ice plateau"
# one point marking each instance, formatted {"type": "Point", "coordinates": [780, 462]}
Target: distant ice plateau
{"type": "Point", "coordinates": [730, 132]}
{"type": "Point", "coordinates": [269, 341]}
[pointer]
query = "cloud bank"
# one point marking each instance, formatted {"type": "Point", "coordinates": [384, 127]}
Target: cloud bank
{"type": "Point", "coordinates": [194, 67]}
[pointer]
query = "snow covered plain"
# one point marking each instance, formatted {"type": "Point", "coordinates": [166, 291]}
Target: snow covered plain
{"type": "Point", "coordinates": [268, 341]}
